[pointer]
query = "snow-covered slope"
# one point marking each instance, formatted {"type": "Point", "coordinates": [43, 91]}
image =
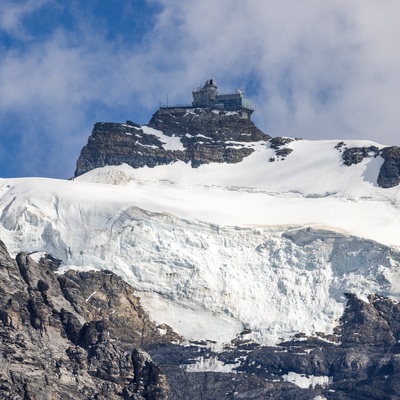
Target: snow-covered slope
{"type": "Point", "coordinates": [270, 246]}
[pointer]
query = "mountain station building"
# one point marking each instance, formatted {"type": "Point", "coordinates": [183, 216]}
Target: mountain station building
{"type": "Point", "coordinates": [207, 96]}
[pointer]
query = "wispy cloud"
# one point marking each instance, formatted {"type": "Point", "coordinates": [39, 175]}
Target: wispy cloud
{"type": "Point", "coordinates": [13, 13]}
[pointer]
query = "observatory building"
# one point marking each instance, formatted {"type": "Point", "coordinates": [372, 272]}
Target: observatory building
{"type": "Point", "coordinates": [207, 96]}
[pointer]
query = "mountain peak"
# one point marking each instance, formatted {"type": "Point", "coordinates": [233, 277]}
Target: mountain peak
{"type": "Point", "coordinates": [192, 135]}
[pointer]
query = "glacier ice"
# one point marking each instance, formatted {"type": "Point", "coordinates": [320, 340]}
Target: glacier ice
{"type": "Point", "coordinates": [276, 281]}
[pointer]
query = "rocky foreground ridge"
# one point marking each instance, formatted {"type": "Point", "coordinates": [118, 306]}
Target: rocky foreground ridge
{"type": "Point", "coordinates": [204, 136]}
{"type": "Point", "coordinates": [73, 336]}
{"type": "Point", "coordinates": [80, 335]}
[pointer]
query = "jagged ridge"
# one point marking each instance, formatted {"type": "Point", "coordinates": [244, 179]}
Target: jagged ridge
{"type": "Point", "coordinates": [59, 342]}
{"type": "Point", "coordinates": [201, 136]}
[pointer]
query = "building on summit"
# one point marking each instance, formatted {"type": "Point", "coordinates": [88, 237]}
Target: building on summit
{"type": "Point", "coordinates": [207, 96]}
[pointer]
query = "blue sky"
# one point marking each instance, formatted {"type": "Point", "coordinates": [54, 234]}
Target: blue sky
{"type": "Point", "coordinates": [313, 69]}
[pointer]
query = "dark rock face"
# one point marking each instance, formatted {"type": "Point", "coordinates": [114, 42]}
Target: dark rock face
{"type": "Point", "coordinates": [361, 360]}
{"type": "Point", "coordinates": [355, 155]}
{"type": "Point", "coordinates": [277, 143]}
{"type": "Point", "coordinates": [217, 125]}
{"type": "Point", "coordinates": [106, 297]}
{"type": "Point", "coordinates": [389, 174]}
{"type": "Point", "coordinates": [58, 344]}
{"type": "Point", "coordinates": [206, 136]}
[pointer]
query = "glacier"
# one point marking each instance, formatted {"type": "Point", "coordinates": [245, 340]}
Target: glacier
{"type": "Point", "coordinates": [267, 246]}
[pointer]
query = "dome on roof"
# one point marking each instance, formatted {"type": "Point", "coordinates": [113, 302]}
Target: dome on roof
{"type": "Point", "coordinates": [210, 82]}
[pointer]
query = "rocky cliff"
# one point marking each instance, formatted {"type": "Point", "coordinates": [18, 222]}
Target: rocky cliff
{"type": "Point", "coordinates": [389, 174]}
{"type": "Point", "coordinates": [360, 361]}
{"type": "Point", "coordinates": [76, 336]}
{"type": "Point", "coordinates": [200, 136]}
{"type": "Point", "coordinates": [73, 336]}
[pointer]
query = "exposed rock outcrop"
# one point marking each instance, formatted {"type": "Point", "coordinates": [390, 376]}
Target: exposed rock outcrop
{"type": "Point", "coordinates": [281, 152]}
{"type": "Point", "coordinates": [59, 342]}
{"type": "Point", "coordinates": [355, 155]}
{"type": "Point", "coordinates": [389, 174]}
{"type": "Point", "coordinates": [106, 297]}
{"type": "Point", "coordinates": [76, 336]}
{"type": "Point", "coordinates": [203, 136]}
{"type": "Point", "coordinates": [359, 361]}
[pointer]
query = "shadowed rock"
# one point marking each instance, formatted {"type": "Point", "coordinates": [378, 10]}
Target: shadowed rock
{"type": "Point", "coordinates": [205, 136]}
{"type": "Point", "coordinates": [54, 345]}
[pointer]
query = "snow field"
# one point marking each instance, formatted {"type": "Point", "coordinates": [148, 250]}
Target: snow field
{"type": "Point", "coordinates": [270, 246]}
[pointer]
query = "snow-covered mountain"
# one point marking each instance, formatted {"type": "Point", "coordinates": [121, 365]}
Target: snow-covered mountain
{"type": "Point", "coordinates": [271, 243]}
{"type": "Point", "coordinates": [274, 260]}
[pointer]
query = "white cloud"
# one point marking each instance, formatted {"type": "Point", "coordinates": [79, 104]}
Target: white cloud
{"type": "Point", "coordinates": [323, 68]}
{"type": "Point", "coordinates": [12, 14]}
{"type": "Point", "coordinates": [316, 69]}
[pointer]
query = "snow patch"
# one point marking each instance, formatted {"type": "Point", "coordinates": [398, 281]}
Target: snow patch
{"type": "Point", "coordinates": [90, 296]}
{"type": "Point", "coordinates": [211, 364]}
{"type": "Point", "coordinates": [194, 323]}
{"type": "Point", "coordinates": [307, 381]}
{"type": "Point", "coordinates": [169, 142]}
{"type": "Point", "coordinates": [37, 255]}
